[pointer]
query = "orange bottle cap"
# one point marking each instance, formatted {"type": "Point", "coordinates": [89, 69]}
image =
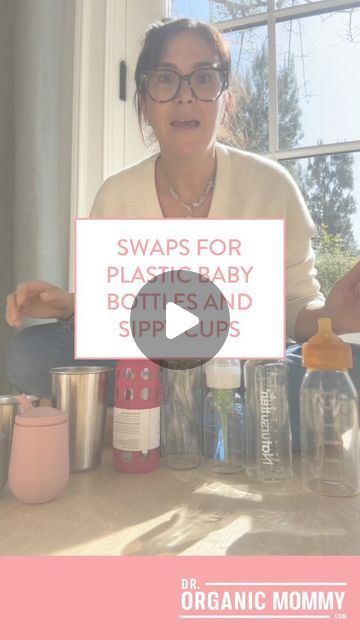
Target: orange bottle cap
{"type": "Point", "coordinates": [325, 350]}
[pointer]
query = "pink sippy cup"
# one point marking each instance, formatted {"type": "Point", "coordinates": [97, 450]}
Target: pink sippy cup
{"type": "Point", "coordinates": [39, 459]}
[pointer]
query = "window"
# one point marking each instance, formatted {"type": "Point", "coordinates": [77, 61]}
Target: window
{"type": "Point", "coordinates": [295, 77]}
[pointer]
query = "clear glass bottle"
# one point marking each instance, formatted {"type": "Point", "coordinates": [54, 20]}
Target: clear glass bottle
{"type": "Point", "coordinates": [224, 437]}
{"type": "Point", "coordinates": [267, 424]}
{"type": "Point", "coordinates": [181, 415]}
{"type": "Point", "coordinates": [329, 432]}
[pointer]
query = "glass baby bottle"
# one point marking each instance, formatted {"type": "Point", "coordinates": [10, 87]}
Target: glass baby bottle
{"type": "Point", "coordinates": [181, 414]}
{"type": "Point", "coordinates": [329, 432]}
{"type": "Point", "coordinates": [224, 437]}
{"type": "Point", "coordinates": [267, 426]}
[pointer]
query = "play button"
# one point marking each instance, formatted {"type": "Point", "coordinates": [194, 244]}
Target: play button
{"type": "Point", "coordinates": [180, 317]}
{"type": "Point", "coordinates": [178, 320]}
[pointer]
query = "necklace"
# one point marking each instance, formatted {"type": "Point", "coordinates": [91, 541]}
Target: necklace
{"type": "Point", "coordinates": [191, 205]}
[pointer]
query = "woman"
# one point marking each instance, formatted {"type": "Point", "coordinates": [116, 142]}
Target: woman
{"type": "Point", "coordinates": [182, 93]}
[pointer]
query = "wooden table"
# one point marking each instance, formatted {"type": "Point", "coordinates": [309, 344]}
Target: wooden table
{"type": "Point", "coordinates": [169, 512]}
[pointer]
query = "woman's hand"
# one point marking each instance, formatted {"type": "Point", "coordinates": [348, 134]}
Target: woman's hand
{"type": "Point", "coordinates": [342, 305]}
{"type": "Point", "coordinates": [343, 302]}
{"type": "Point", "coordinates": [38, 299]}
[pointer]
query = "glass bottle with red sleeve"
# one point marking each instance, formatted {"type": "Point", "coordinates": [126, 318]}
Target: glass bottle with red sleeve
{"type": "Point", "coordinates": [136, 435]}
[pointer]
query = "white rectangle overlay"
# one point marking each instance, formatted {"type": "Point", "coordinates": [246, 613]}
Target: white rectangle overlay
{"type": "Point", "coordinates": [254, 249]}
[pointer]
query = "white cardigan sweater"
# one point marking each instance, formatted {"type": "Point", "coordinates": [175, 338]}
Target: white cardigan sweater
{"type": "Point", "coordinates": [247, 186]}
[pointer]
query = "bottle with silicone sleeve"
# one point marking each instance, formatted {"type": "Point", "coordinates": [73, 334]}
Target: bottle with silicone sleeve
{"type": "Point", "coordinates": [136, 434]}
{"type": "Point", "coordinates": [329, 416]}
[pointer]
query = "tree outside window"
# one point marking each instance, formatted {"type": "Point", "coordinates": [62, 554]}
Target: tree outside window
{"type": "Point", "coordinates": [306, 119]}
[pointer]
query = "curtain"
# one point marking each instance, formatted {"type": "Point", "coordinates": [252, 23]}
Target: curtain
{"type": "Point", "coordinates": [36, 217]}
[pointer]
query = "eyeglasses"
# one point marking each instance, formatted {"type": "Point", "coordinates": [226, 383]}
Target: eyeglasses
{"type": "Point", "coordinates": [206, 84]}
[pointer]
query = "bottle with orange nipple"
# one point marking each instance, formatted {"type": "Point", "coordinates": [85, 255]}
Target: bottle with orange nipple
{"type": "Point", "coordinates": [329, 416]}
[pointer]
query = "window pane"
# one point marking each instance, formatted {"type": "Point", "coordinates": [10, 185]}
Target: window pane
{"type": "Point", "coordinates": [281, 4]}
{"type": "Point", "coordinates": [216, 11]}
{"type": "Point", "coordinates": [248, 125]}
{"type": "Point", "coordinates": [319, 92]}
{"type": "Point", "coordinates": [331, 187]}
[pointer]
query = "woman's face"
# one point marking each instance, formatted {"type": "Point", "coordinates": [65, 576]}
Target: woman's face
{"type": "Point", "coordinates": [185, 126]}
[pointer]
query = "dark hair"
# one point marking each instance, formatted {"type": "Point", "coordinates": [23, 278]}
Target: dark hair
{"type": "Point", "coordinates": [159, 34]}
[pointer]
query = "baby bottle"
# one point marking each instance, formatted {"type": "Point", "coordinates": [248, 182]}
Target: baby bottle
{"type": "Point", "coordinates": [39, 460]}
{"type": "Point", "coordinates": [224, 438]}
{"type": "Point", "coordinates": [181, 419]}
{"type": "Point", "coordinates": [267, 427]}
{"type": "Point", "coordinates": [136, 435]}
{"type": "Point", "coordinates": [329, 416]}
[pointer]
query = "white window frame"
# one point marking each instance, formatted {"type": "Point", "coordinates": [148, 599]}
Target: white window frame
{"type": "Point", "coordinates": [106, 32]}
{"type": "Point", "coordinates": [269, 19]}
